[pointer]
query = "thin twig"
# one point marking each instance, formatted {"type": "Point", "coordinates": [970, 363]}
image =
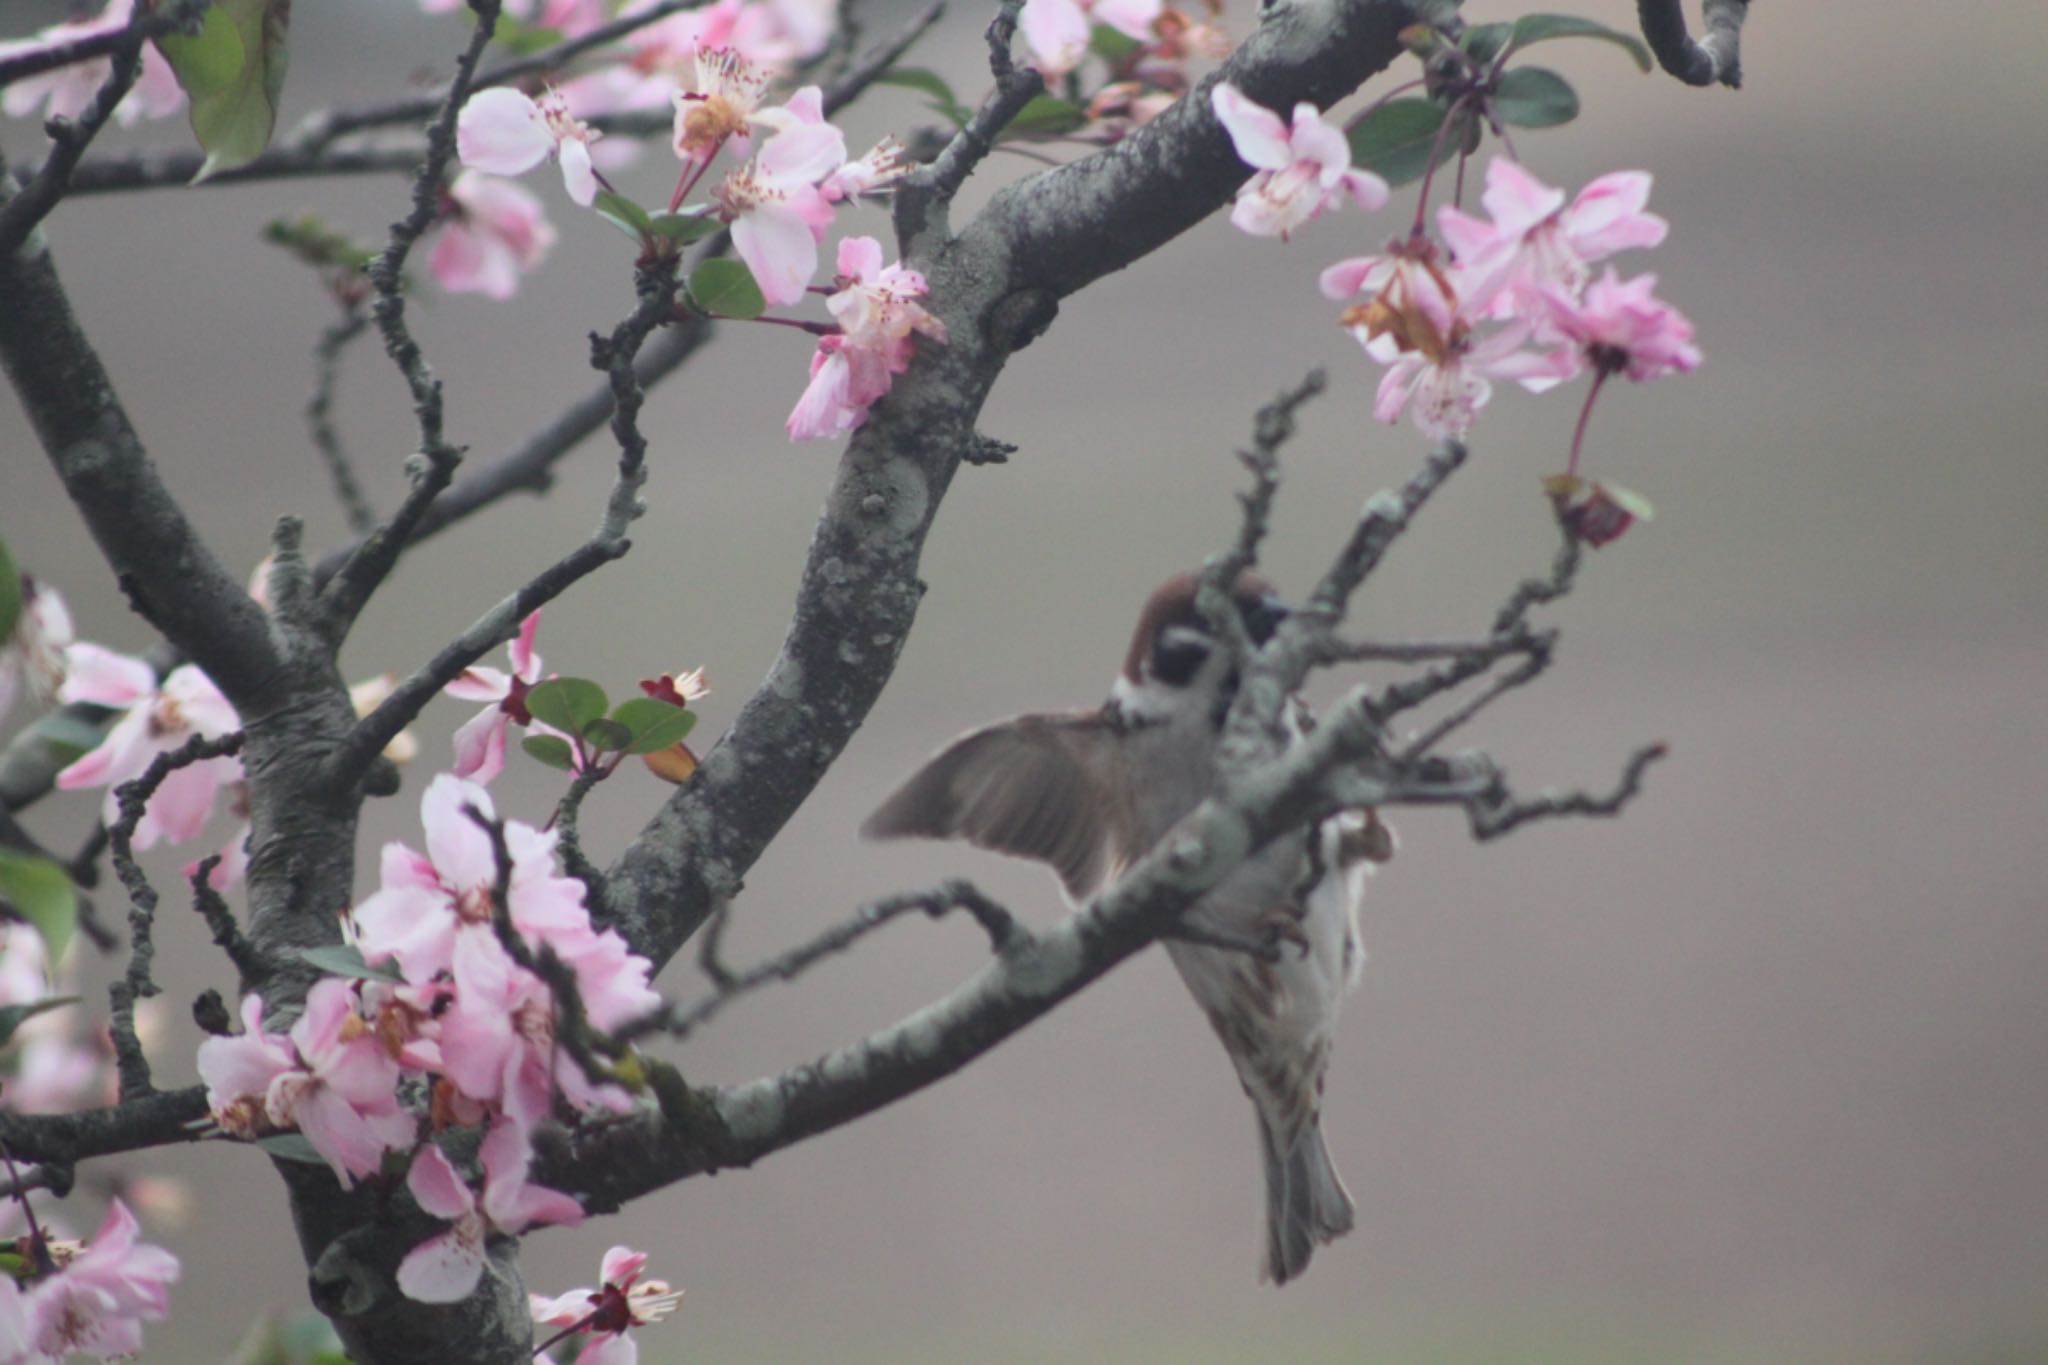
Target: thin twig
{"type": "Point", "coordinates": [572, 1031]}
{"type": "Point", "coordinates": [132, 800]}
{"type": "Point", "coordinates": [1496, 811]}
{"type": "Point", "coordinates": [324, 126]}
{"type": "Point", "coordinates": [434, 465]}
{"type": "Point", "coordinates": [1382, 520]}
{"type": "Point", "coordinates": [227, 935]}
{"type": "Point", "coordinates": [924, 196]}
{"type": "Point", "coordinates": [348, 491]}
{"type": "Point", "coordinates": [1003, 930]}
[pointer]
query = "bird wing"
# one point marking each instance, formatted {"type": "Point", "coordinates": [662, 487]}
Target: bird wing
{"type": "Point", "coordinates": [1040, 786]}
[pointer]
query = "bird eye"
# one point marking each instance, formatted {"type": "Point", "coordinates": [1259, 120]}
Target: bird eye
{"type": "Point", "coordinates": [1178, 655]}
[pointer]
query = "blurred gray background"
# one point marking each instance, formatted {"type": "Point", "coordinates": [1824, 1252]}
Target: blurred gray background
{"type": "Point", "coordinates": [1757, 1073]}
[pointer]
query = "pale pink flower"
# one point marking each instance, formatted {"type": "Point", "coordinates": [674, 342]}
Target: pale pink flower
{"type": "Point", "coordinates": [1057, 31]}
{"type": "Point", "coordinates": [621, 1301]}
{"type": "Point", "coordinates": [1302, 170]}
{"type": "Point", "coordinates": [237, 1071]}
{"type": "Point", "coordinates": [777, 213]}
{"type": "Point", "coordinates": [1620, 327]}
{"type": "Point", "coordinates": [480, 743]}
{"type": "Point", "coordinates": [826, 408]}
{"type": "Point", "coordinates": [33, 654]}
{"type": "Point", "coordinates": [506, 132]}
{"type": "Point", "coordinates": [875, 305]}
{"type": "Point", "coordinates": [877, 312]}
{"type": "Point", "coordinates": [65, 91]}
{"type": "Point", "coordinates": [726, 105]}
{"type": "Point", "coordinates": [330, 1078]}
{"type": "Point", "coordinates": [1447, 390]}
{"type": "Point", "coordinates": [1408, 297]}
{"type": "Point", "coordinates": [95, 1303]}
{"type": "Point", "coordinates": [446, 1267]}
{"type": "Point", "coordinates": [882, 165]}
{"type": "Point", "coordinates": [1536, 240]}
{"type": "Point", "coordinates": [493, 232]}
{"type": "Point", "coordinates": [158, 719]}
{"type": "Point", "coordinates": [500, 1049]}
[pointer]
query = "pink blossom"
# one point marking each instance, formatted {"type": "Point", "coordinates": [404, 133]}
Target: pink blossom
{"type": "Point", "coordinates": [1621, 328]}
{"type": "Point", "coordinates": [330, 1078]}
{"type": "Point", "coordinates": [33, 653]}
{"type": "Point", "coordinates": [493, 232]}
{"type": "Point", "coordinates": [157, 720]}
{"type": "Point", "coordinates": [506, 132]}
{"type": "Point", "coordinates": [480, 743]}
{"type": "Point", "coordinates": [1057, 31]}
{"type": "Point", "coordinates": [1448, 389]}
{"type": "Point", "coordinates": [345, 1099]}
{"type": "Point", "coordinates": [96, 1303]}
{"type": "Point", "coordinates": [877, 312]}
{"type": "Point", "coordinates": [777, 213]}
{"type": "Point", "coordinates": [879, 167]}
{"type": "Point", "coordinates": [1536, 241]}
{"type": "Point", "coordinates": [724, 106]}
{"type": "Point", "coordinates": [1301, 170]}
{"type": "Point", "coordinates": [446, 1267]}
{"type": "Point", "coordinates": [65, 91]}
{"type": "Point", "coordinates": [621, 1301]}
{"type": "Point", "coordinates": [434, 915]}
{"type": "Point", "coordinates": [1408, 297]}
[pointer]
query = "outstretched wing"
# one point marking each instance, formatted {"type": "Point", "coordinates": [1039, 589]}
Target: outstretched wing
{"type": "Point", "coordinates": [1044, 786]}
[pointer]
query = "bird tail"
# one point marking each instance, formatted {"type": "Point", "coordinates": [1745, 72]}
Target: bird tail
{"type": "Point", "coordinates": [1306, 1202]}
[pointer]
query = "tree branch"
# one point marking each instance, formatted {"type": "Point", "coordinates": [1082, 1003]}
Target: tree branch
{"type": "Point", "coordinates": [1716, 57]}
{"type": "Point", "coordinates": [996, 286]}
{"type": "Point", "coordinates": [22, 209]}
{"type": "Point", "coordinates": [181, 16]}
{"type": "Point", "coordinates": [169, 574]}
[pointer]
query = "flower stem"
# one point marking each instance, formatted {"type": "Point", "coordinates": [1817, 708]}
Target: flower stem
{"type": "Point", "coordinates": [1579, 433]}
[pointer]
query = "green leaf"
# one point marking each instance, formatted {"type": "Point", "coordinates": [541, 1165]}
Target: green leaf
{"type": "Point", "coordinates": [1113, 45]}
{"type": "Point", "coordinates": [1047, 114]}
{"type": "Point", "coordinates": [726, 288]}
{"type": "Point", "coordinates": [567, 704]}
{"type": "Point", "coordinates": [41, 893]}
{"type": "Point", "coordinates": [943, 101]}
{"type": "Point", "coordinates": [1537, 28]}
{"type": "Point", "coordinates": [345, 959]}
{"type": "Point", "coordinates": [12, 598]}
{"type": "Point", "coordinates": [552, 750]}
{"type": "Point", "coordinates": [66, 736]}
{"type": "Point", "coordinates": [606, 736]}
{"type": "Point", "coordinates": [623, 214]}
{"type": "Point", "coordinates": [13, 1017]}
{"type": "Point", "coordinates": [232, 71]}
{"type": "Point", "coordinates": [684, 227]}
{"type": "Point", "coordinates": [300, 1341]}
{"type": "Point", "coordinates": [518, 39]}
{"type": "Point", "coordinates": [1534, 97]}
{"type": "Point", "coordinates": [1394, 140]}
{"type": "Point", "coordinates": [655, 724]}
{"type": "Point", "coordinates": [292, 1147]}
{"type": "Point", "coordinates": [1485, 41]}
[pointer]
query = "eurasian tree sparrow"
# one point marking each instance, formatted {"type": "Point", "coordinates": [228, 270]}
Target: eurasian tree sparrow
{"type": "Point", "coordinates": [1089, 792]}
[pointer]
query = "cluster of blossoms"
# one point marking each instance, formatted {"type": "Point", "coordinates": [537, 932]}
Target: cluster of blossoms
{"type": "Point", "coordinates": [459, 1012]}
{"type": "Point", "coordinates": [90, 1298]}
{"type": "Point", "coordinates": [1510, 296]}
{"type": "Point", "coordinates": [789, 177]}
